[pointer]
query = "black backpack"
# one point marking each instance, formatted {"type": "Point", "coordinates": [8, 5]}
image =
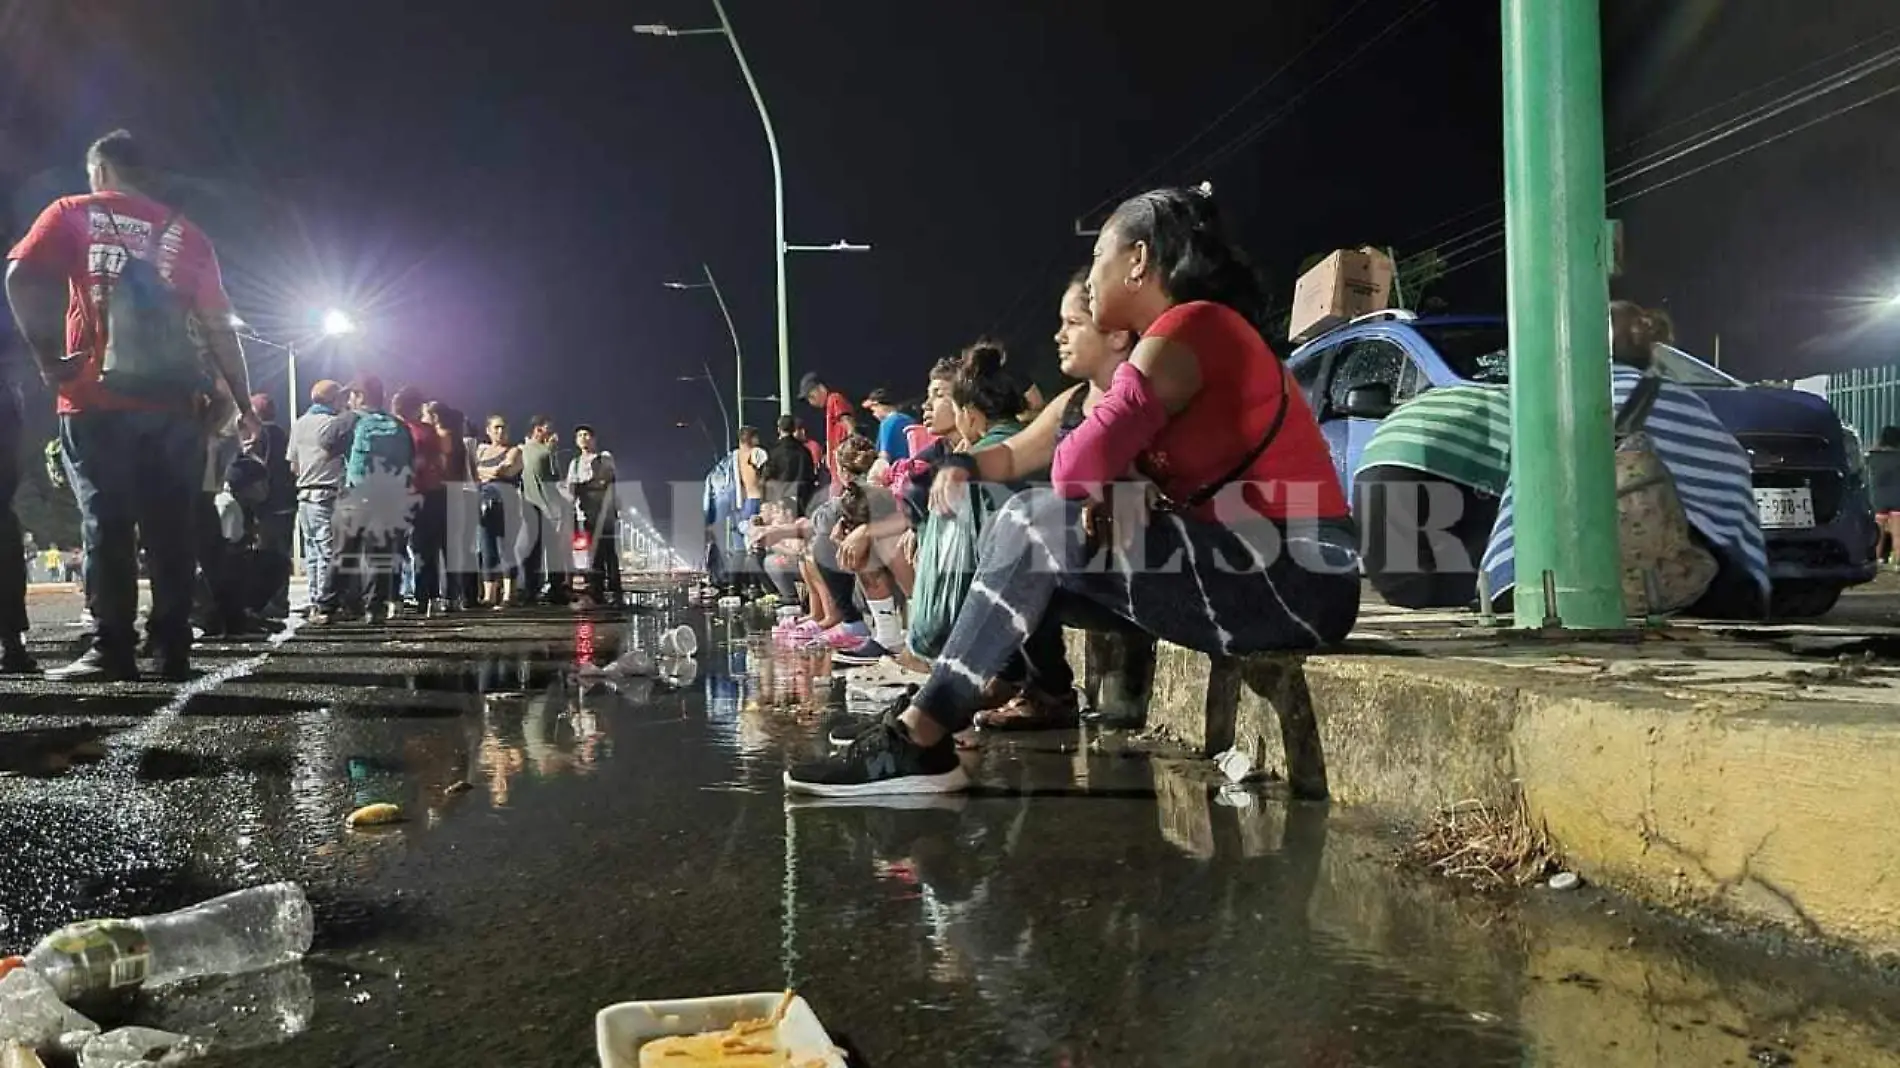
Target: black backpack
{"type": "Point", "coordinates": [151, 351]}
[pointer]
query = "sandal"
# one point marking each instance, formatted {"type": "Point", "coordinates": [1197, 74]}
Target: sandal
{"type": "Point", "coordinates": [1033, 711]}
{"type": "Point", "coordinates": [995, 694]}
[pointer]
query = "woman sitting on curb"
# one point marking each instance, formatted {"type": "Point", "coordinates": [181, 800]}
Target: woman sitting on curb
{"type": "Point", "coordinates": [1249, 547]}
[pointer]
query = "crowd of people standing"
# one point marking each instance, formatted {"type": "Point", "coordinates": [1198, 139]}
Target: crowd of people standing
{"type": "Point", "coordinates": [183, 475]}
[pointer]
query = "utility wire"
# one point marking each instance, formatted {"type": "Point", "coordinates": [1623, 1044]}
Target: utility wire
{"type": "Point", "coordinates": [1136, 185]}
{"type": "Point", "coordinates": [1761, 86]}
{"type": "Point", "coordinates": [1476, 257]}
{"type": "Point", "coordinates": [1721, 131]}
{"type": "Point", "coordinates": [1274, 118]}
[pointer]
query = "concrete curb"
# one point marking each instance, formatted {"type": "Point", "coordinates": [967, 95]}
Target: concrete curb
{"type": "Point", "coordinates": [1750, 807]}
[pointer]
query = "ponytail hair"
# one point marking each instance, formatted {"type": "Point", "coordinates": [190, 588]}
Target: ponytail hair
{"type": "Point", "coordinates": [983, 381]}
{"type": "Point", "coordinates": [1189, 246]}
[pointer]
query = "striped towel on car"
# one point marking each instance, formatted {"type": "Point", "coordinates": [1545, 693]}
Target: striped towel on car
{"type": "Point", "coordinates": [1712, 476]}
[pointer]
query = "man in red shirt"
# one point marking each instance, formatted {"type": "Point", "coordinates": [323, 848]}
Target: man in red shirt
{"type": "Point", "coordinates": [135, 463]}
{"type": "Point", "coordinates": [839, 423]}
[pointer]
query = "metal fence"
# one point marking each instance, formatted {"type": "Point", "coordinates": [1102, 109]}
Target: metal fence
{"type": "Point", "coordinates": [1867, 398]}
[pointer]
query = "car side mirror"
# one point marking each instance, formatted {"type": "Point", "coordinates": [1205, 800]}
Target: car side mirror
{"type": "Point", "coordinates": [1370, 401]}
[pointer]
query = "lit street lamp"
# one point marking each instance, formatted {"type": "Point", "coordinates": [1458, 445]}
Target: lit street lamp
{"type": "Point", "coordinates": [778, 192]}
{"type": "Point", "coordinates": [337, 323]}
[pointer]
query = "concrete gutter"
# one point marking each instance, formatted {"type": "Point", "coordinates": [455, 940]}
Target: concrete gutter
{"type": "Point", "coordinates": [1692, 772]}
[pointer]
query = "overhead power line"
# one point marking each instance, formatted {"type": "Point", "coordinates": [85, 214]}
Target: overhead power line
{"type": "Point", "coordinates": [1721, 131]}
{"type": "Point", "coordinates": [1140, 181]}
{"type": "Point", "coordinates": [1253, 133]}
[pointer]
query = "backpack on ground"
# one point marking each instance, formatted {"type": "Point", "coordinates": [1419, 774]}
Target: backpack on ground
{"type": "Point", "coordinates": [152, 350]}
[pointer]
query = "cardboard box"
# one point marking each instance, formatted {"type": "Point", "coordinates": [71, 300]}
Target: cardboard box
{"type": "Point", "coordinates": [1343, 286]}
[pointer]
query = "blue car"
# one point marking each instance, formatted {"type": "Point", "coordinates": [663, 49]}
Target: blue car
{"type": "Point", "coordinates": [1810, 471]}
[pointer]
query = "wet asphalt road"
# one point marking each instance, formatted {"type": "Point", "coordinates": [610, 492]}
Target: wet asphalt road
{"type": "Point", "coordinates": [1091, 905]}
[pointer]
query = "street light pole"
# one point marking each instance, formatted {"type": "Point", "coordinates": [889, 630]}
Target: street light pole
{"type": "Point", "coordinates": [1562, 471]}
{"type": "Point", "coordinates": [779, 246]}
{"type": "Point", "coordinates": [713, 384]}
{"type": "Point", "coordinates": [738, 356]}
{"type": "Point", "coordinates": [778, 214]}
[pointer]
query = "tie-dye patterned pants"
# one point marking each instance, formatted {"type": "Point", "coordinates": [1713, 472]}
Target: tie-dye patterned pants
{"type": "Point", "coordinates": [1218, 589]}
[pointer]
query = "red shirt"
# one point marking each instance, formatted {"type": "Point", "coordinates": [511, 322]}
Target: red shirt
{"type": "Point", "coordinates": [838, 427]}
{"type": "Point", "coordinates": [430, 456]}
{"type": "Point", "coordinates": [1242, 382]}
{"type": "Point", "coordinates": [74, 239]}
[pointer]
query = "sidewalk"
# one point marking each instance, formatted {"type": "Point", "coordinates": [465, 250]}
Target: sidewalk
{"type": "Point", "coordinates": [1748, 773]}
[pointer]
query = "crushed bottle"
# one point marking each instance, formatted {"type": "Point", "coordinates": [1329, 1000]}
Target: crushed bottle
{"type": "Point", "coordinates": [32, 1014]}
{"type": "Point", "coordinates": [138, 1047]}
{"type": "Point", "coordinates": [239, 932]}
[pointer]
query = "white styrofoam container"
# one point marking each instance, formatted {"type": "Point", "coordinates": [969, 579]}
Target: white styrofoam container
{"type": "Point", "coordinates": [620, 1030]}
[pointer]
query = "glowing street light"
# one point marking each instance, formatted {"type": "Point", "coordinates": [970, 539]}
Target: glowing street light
{"type": "Point", "coordinates": [336, 323]}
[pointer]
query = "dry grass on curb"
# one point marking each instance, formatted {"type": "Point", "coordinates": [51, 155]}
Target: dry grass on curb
{"type": "Point", "coordinates": [1484, 846]}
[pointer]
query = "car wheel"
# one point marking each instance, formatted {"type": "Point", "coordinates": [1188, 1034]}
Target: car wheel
{"type": "Point", "coordinates": [1804, 600]}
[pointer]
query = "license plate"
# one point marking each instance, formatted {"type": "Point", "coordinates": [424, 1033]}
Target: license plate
{"type": "Point", "coordinates": [1785, 509]}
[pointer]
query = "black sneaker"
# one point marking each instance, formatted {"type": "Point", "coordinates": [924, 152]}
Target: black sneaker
{"type": "Point", "coordinates": [851, 726]}
{"type": "Point", "coordinates": [95, 666]}
{"type": "Point", "coordinates": [882, 761]}
{"type": "Point", "coordinates": [863, 656]}
{"type": "Point", "coordinates": [173, 665]}
{"type": "Point", "coordinates": [15, 660]}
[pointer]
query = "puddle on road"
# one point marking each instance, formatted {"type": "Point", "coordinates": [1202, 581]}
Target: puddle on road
{"type": "Point", "coordinates": [1090, 907]}
{"type": "Point", "coordinates": [50, 751]}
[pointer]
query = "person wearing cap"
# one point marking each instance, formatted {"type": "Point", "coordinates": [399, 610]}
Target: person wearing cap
{"type": "Point", "coordinates": [838, 422]}
{"type": "Point", "coordinates": [318, 471]}
{"type": "Point", "coordinates": [892, 423]}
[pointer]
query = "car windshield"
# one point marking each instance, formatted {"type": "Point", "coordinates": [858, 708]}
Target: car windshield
{"type": "Point", "coordinates": [1475, 352]}
{"type": "Point", "coordinates": [1478, 352]}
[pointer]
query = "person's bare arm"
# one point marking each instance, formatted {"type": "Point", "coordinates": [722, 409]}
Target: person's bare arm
{"type": "Point", "coordinates": [213, 307]}
{"type": "Point", "coordinates": [38, 299]}
{"type": "Point", "coordinates": [1172, 369]}
{"type": "Point", "coordinates": [511, 463]}
{"type": "Point", "coordinates": [1031, 451]}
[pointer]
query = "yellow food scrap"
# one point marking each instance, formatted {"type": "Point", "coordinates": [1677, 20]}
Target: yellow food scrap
{"type": "Point", "coordinates": [375, 815]}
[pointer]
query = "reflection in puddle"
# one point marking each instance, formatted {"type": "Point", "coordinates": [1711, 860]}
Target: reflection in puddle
{"type": "Point", "coordinates": [1092, 906]}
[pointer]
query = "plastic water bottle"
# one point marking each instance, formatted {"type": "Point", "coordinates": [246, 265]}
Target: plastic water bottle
{"type": "Point", "coordinates": [240, 932]}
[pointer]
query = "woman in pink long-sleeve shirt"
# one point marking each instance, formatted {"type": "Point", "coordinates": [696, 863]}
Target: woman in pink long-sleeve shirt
{"type": "Point", "coordinates": [1251, 548]}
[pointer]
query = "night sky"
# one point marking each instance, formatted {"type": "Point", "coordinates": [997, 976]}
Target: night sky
{"type": "Point", "coordinates": [498, 193]}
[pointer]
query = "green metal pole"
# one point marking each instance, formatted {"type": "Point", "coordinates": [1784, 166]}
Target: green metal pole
{"type": "Point", "coordinates": [1562, 472]}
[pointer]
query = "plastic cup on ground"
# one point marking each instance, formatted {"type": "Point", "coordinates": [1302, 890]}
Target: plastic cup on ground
{"type": "Point", "coordinates": [680, 641]}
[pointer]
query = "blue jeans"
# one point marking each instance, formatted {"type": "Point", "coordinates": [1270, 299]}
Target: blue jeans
{"type": "Point", "coordinates": [136, 477]}
{"type": "Point", "coordinates": [317, 521]}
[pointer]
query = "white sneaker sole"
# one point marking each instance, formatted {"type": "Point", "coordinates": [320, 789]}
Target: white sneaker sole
{"type": "Point", "coordinates": [950, 782]}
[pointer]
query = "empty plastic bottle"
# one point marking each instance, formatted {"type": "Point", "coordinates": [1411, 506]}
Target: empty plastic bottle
{"type": "Point", "coordinates": [239, 932]}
